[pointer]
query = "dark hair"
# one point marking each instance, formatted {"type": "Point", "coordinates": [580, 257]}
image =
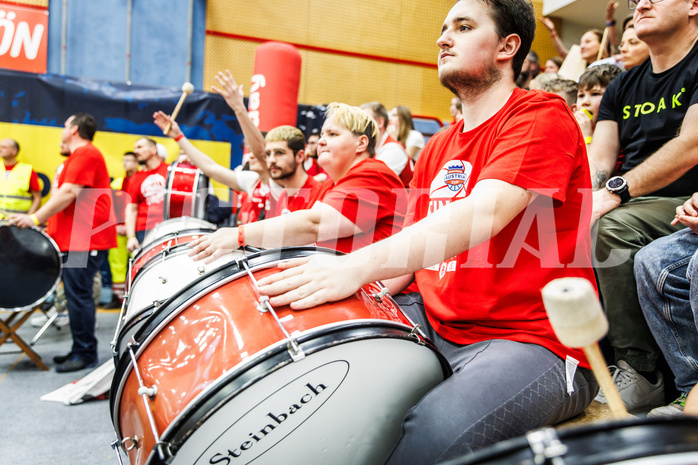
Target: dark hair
{"type": "Point", "coordinates": [379, 111]}
{"type": "Point", "coordinates": [556, 60]}
{"type": "Point", "coordinates": [600, 75]}
{"type": "Point", "coordinates": [514, 17]}
{"type": "Point", "coordinates": [131, 154]}
{"type": "Point", "coordinates": [87, 126]}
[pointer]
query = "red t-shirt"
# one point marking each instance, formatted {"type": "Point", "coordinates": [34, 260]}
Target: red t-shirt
{"type": "Point", "coordinates": [147, 190]}
{"type": "Point", "coordinates": [302, 199]}
{"type": "Point", "coordinates": [493, 291]}
{"type": "Point", "coordinates": [372, 197]}
{"type": "Point", "coordinates": [34, 185]}
{"type": "Point", "coordinates": [313, 168]}
{"type": "Point", "coordinates": [89, 222]}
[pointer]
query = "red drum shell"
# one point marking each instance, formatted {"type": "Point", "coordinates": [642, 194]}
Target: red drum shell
{"type": "Point", "coordinates": [212, 335]}
{"type": "Point", "coordinates": [186, 192]}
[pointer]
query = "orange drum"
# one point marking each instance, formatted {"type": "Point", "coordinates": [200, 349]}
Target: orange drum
{"type": "Point", "coordinates": [166, 235]}
{"type": "Point", "coordinates": [218, 376]}
{"type": "Point", "coordinates": [186, 191]}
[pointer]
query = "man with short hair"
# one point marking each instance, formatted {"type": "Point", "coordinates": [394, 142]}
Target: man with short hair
{"type": "Point", "coordinates": [389, 151]}
{"type": "Point", "coordinates": [647, 132]}
{"type": "Point", "coordinates": [81, 222]}
{"type": "Point", "coordinates": [497, 211]}
{"type": "Point", "coordinates": [147, 193]}
{"type": "Point", "coordinates": [311, 165]}
{"type": "Point", "coordinates": [20, 191]}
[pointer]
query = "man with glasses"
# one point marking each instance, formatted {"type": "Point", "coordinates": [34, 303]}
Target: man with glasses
{"type": "Point", "coordinates": [643, 162]}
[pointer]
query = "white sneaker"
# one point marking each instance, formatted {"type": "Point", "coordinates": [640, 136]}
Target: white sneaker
{"type": "Point", "coordinates": [636, 392]}
{"type": "Point", "coordinates": [674, 409]}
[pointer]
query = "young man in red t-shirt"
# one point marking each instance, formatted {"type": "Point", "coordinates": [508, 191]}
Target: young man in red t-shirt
{"type": "Point", "coordinates": [497, 211]}
{"type": "Point", "coordinates": [147, 193]}
{"type": "Point", "coordinates": [82, 223]}
{"type": "Point", "coordinates": [20, 191]}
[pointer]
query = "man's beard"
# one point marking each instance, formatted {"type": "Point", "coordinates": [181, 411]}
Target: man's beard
{"type": "Point", "coordinates": [142, 162]}
{"type": "Point", "coordinates": [286, 174]}
{"type": "Point", "coordinates": [468, 84]}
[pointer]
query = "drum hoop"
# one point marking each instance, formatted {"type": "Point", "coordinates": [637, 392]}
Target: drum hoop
{"type": "Point", "coordinates": [195, 191]}
{"type": "Point", "coordinates": [168, 190]}
{"type": "Point", "coordinates": [260, 365]}
{"type": "Point", "coordinates": [671, 428]}
{"type": "Point", "coordinates": [170, 236]}
{"type": "Point", "coordinates": [55, 284]}
{"type": "Point", "coordinates": [174, 250]}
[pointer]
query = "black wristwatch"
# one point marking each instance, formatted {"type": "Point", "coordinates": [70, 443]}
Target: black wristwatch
{"type": "Point", "coordinates": [619, 186]}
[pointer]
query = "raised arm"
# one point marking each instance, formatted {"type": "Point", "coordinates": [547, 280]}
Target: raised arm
{"type": "Point", "coordinates": [234, 97]}
{"type": "Point", "coordinates": [557, 42]}
{"type": "Point", "coordinates": [449, 231]}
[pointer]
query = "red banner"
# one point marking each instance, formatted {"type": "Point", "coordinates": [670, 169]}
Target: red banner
{"type": "Point", "coordinates": [23, 38]}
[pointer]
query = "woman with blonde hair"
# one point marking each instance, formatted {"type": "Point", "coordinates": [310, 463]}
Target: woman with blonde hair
{"type": "Point", "coordinates": [363, 202]}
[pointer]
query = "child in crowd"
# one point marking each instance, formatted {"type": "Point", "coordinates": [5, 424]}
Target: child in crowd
{"type": "Point", "coordinates": [591, 87]}
{"type": "Point", "coordinates": [565, 88]}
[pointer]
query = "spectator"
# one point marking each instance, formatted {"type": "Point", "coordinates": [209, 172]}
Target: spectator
{"type": "Point", "coordinates": [388, 150]}
{"type": "Point", "coordinates": [667, 281]}
{"type": "Point", "coordinates": [20, 191]}
{"type": "Point", "coordinates": [456, 110]}
{"type": "Point", "coordinates": [146, 193]}
{"type": "Point", "coordinates": [591, 87]}
{"type": "Point", "coordinates": [364, 204]}
{"type": "Point", "coordinates": [589, 44]}
{"type": "Point", "coordinates": [475, 183]}
{"type": "Point", "coordinates": [310, 164]}
{"type": "Point", "coordinates": [565, 88]}
{"type": "Point", "coordinates": [633, 51]}
{"type": "Point", "coordinates": [648, 114]}
{"type": "Point", "coordinates": [402, 129]}
{"type": "Point", "coordinates": [529, 70]}
{"type": "Point", "coordinates": [537, 83]}
{"type": "Point", "coordinates": [553, 65]}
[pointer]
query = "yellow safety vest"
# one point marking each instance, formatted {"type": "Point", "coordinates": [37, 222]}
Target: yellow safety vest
{"type": "Point", "coordinates": [14, 188]}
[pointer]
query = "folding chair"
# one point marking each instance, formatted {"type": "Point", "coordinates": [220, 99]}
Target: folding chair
{"type": "Point", "coordinates": [8, 330]}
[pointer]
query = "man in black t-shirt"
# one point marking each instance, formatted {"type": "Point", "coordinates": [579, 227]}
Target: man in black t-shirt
{"type": "Point", "coordinates": [644, 153]}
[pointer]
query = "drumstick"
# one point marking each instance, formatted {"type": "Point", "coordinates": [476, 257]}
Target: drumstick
{"type": "Point", "coordinates": [602, 47]}
{"type": "Point", "coordinates": [187, 88]}
{"type": "Point", "coordinates": [578, 321]}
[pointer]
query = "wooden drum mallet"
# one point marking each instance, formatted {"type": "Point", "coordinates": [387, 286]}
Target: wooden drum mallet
{"type": "Point", "coordinates": [187, 88]}
{"type": "Point", "coordinates": [578, 321]}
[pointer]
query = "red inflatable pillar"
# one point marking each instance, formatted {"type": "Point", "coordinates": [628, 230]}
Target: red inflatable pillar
{"type": "Point", "coordinates": [274, 92]}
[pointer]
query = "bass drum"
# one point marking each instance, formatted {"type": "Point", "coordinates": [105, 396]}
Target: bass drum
{"type": "Point", "coordinates": [216, 375]}
{"type": "Point", "coordinates": [166, 235]}
{"type": "Point", "coordinates": [187, 188]}
{"type": "Point", "coordinates": [655, 441]}
{"type": "Point", "coordinates": [31, 267]}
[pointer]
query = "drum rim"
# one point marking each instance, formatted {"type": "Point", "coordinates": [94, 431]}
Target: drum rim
{"type": "Point", "coordinates": [267, 361]}
{"type": "Point", "coordinates": [56, 282]}
{"type": "Point", "coordinates": [513, 448]}
{"type": "Point", "coordinates": [170, 236]}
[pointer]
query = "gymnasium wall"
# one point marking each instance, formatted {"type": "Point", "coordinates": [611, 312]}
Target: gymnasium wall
{"type": "Point", "coordinates": [353, 52]}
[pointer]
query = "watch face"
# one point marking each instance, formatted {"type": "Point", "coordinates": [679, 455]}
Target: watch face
{"type": "Point", "coordinates": [616, 183]}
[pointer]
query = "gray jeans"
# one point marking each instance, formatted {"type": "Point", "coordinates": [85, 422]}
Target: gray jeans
{"type": "Point", "coordinates": [621, 233]}
{"type": "Point", "coordinates": [499, 389]}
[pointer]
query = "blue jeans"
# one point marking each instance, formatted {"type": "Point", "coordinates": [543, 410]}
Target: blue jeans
{"type": "Point", "coordinates": [668, 294]}
{"type": "Point", "coordinates": [79, 269]}
{"type": "Point", "coordinates": [499, 389]}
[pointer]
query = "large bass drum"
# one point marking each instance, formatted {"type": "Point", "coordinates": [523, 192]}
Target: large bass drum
{"type": "Point", "coordinates": [187, 188]}
{"type": "Point", "coordinates": [218, 376]}
{"type": "Point", "coordinates": [655, 441]}
{"type": "Point", "coordinates": [31, 267]}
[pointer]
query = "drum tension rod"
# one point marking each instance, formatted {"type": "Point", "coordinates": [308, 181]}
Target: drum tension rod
{"type": "Point", "coordinates": [115, 446]}
{"type": "Point", "coordinates": [546, 446]}
{"type": "Point", "coordinates": [263, 306]}
{"type": "Point", "coordinates": [381, 294]}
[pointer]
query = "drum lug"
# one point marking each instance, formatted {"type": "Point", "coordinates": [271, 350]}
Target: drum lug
{"type": "Point", "coordinates": [127, 444]}
{"type": "Point", "coordinates": [379, 297]}
{"type": "Point", "coordinates": [546, 446]}
{"type": "Point", "coordinates": [151, 391]}
{"type": "Point", "coordinates": [416, 333]}
{"type": "Point", "coordinates": [201, 270]}
{"type": "Point", "coordinates": [295, 350]}
{"type": "Point", "coordinates": [163, 279]}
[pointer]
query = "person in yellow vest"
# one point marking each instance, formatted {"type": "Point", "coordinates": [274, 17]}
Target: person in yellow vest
{"type": "Point", "coordinates": [20, 191]}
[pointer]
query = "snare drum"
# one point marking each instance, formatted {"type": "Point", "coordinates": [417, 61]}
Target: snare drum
{"type": "Point", "coordinates": [216, 376]}
{"type": "Point", "coordinates": [186, 191]}
{"type": "Point", "coordinates": [166, 235]}
{"type": "Point", "coordinates": [651, 441]}
{"type": "Point", "coordinates": [31, 267]}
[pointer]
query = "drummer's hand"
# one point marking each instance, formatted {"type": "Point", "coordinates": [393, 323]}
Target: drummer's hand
{"type": "Point", "coordinates": [22, 221]}
{"type": "Point", "coordinates": [161, 119]}
{"type": "Point", "coordinates": [212, 246]}
{"type": "Point", "coordinates": [132, 244]}
{"type": "Point", "coordinates": [308, 282]}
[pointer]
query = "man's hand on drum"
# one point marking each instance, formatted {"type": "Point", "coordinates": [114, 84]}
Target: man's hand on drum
{"type": "Point", "coordinates": [132, 244]}
{"type": "Point", "coordinates": [22, 221]}
{"type": "Point", "coordinates": [308, 282]}
{"type": "Point", "coordinates": [212, 246]}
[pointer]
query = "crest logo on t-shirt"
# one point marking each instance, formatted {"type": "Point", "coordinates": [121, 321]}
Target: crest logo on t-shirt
{"type": "Point", "coordinates": [455, 176]}
{"type": "Point", "coordinates": [153, 189]}
{"type": "Point", "coordinates": [449, 184]}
